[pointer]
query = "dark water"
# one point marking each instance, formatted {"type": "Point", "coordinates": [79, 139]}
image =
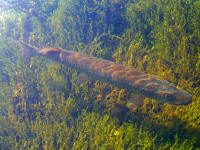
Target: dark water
{"type": "Point", "coordinates": [45, 104]}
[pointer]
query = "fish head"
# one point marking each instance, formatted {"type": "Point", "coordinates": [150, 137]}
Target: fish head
{"type": "Point", "coordinates": [180, 97]}
{"type": "Point", "coordinates": [171, 94]}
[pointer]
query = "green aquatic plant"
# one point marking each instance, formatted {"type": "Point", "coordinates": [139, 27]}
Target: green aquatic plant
{"type": "Point", "coordinates": [81, 22]}
{"type": "Point", "coordinates": [49, 108]}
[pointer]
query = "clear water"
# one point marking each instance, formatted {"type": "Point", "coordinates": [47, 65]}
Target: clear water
{"type": "Point", "coordinates": [45, 104]}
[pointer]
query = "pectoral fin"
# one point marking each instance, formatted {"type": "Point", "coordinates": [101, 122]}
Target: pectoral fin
{"type": "Point", "coordinates": [135, 102]}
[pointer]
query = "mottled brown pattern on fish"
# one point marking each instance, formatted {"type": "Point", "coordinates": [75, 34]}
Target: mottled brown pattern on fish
{"type": "Point", "coordinates": [163, 93]}
{"type": "Point", "coordinates": [72, 59]}
{"type": "Point", "coordinates": [92, 65]}
{"type": "Point", "coordinates": [112, 68]}
{"type": "Point", "coordinates": [133, 72]}
{"type": "Point", "coordinates": [133, 78]}
{"type": "Point", "coordinates": [142, 82]}
{"type": "Point", "coordinates": [151, 87]}
{"type": "Point", "coordinates": [87, 62]}
{"type": "Point", "coordinates": [118, 75]}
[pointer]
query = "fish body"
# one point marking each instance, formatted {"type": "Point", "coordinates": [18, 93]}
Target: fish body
{"type": "Point", "coordinates": [124, 77]}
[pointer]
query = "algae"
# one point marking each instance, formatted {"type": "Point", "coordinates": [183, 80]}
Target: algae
{"type": "Point", "coordinates": [42, 103]}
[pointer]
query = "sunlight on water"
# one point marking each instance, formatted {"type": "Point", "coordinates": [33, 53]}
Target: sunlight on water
{"type": "Point", "coordinates": [2, 14]}
{"type": "Point", "coordinates": [5, 10]}
{"type": "Point", "coordinates": [3, 4]}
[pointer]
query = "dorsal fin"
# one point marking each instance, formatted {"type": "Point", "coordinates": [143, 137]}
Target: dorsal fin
{"type": "Point", "coordinates": [50, 51]}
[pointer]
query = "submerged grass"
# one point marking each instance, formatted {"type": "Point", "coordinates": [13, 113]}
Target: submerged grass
{"type": "Point", "coordinates": [44, 106]}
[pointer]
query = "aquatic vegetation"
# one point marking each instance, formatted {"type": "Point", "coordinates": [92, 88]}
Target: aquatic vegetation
{"type": "Point", "coordinates": [80, 22]}
{"type": "Point", "coordinates": [43, 105]}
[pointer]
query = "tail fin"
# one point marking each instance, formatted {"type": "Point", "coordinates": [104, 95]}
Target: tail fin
{"type": "Point", "coordinates": [27, 50]}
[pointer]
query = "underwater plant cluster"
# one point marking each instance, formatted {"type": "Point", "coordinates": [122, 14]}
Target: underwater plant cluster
{"type": "Point", "coordinates": [48, 105]}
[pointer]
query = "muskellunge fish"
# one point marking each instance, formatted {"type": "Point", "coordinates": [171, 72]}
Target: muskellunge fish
{"type": "Point", "coordinates": [124, 77]}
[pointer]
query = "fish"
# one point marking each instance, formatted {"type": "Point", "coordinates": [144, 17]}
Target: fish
{"type": "Point", "coordinates": [124, 77]}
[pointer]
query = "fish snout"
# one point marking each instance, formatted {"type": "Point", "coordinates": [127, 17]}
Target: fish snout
{"type": "Point", "coordinates": [179, 98]}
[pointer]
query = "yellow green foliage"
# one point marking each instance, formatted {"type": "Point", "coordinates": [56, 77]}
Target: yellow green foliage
{"type": "Point", "coordinates": [46, 105]}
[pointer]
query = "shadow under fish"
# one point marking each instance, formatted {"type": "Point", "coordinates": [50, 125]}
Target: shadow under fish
{"type": "Point", "coordinates": [124, 77]}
